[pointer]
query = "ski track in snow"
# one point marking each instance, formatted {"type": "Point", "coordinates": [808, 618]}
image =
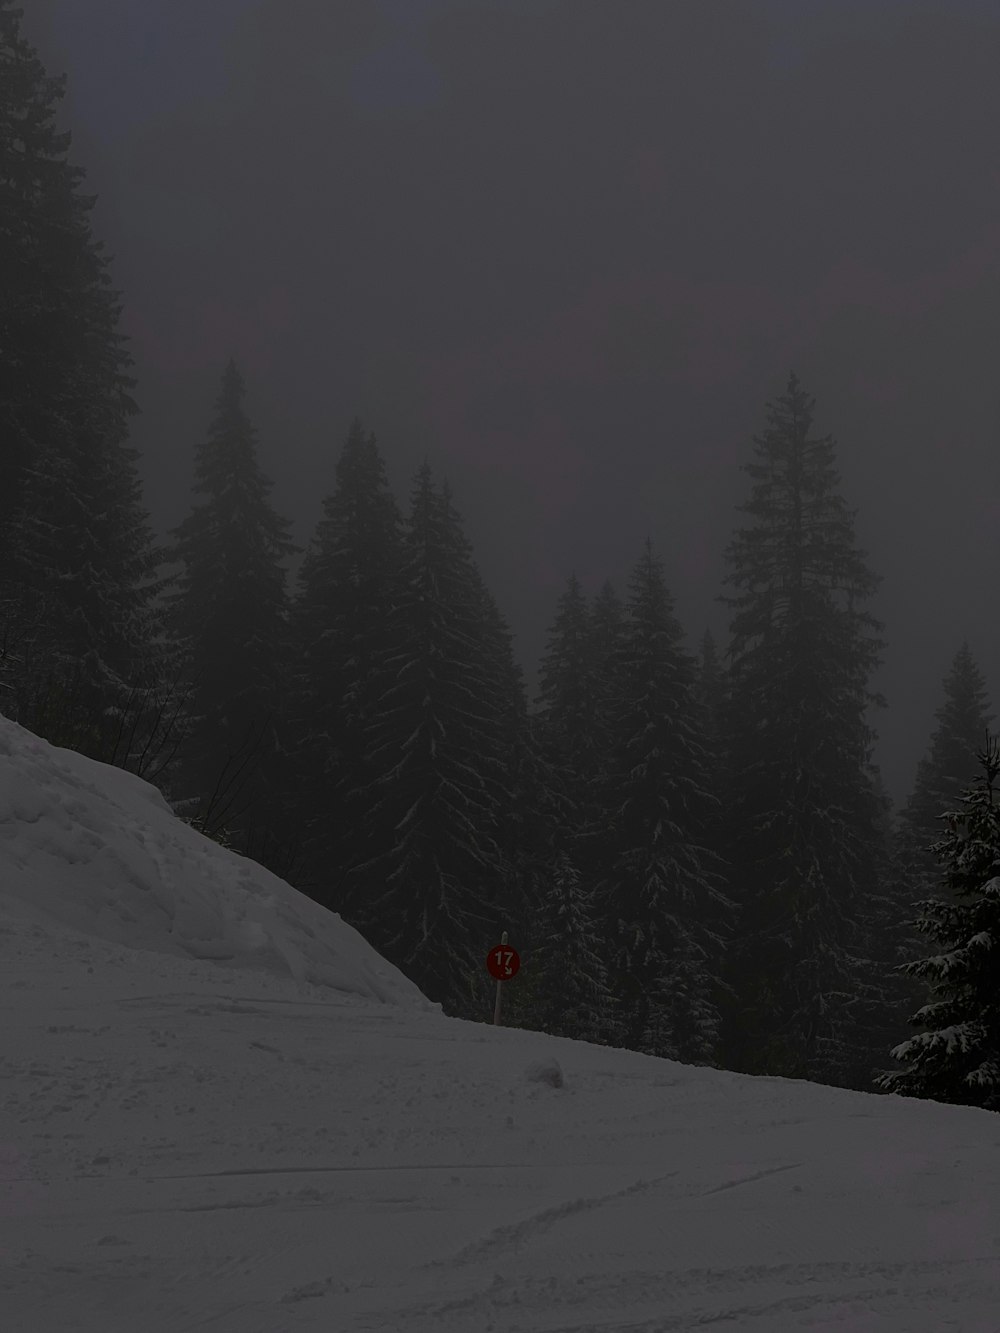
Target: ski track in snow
{"type": "Point", "coordinates": [193, 1143]}
{"type": "Point", "coordinates": [703, 1297]}
{"type": "Point", "coordinates": [510, 1237]}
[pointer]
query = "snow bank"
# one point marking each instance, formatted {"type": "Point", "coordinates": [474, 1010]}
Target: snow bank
{"type": "Point", "coordinates": [98, 850]}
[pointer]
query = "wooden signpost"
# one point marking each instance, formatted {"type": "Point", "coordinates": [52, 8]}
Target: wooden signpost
{"type": "Point", "coordinates": [502, 963]}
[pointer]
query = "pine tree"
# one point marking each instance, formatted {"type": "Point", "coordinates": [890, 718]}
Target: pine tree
{"type": "Point", "coordinates": [943, 774]}
{"type": "Point", "coordinates": [956, 1058]}
{"type": "Point", "coordinates": [502, 688]}
{"type": "Point", "coordinates": [803, 811]}
{"type": "Point", "coordinates": [346, 633]}
{"type": "Point", "coordinates": [607, 626]}
{"type": "Point", "coordinates": [711, 692]}
{"type": "Point", "coordinates": [541, 820]}
{"type": "Point", "coordinates": [662, 884]}
{"type": "Point", "coordinates": [43, 228]}
{"type": "Point", "coordinates": [229, 612]}
{"type": "Point", "coordinates": [594, 849]}
{"type": "Point", "coordinates": [440, 746]}
{"type": "Point", "coordinates": [76, 555]}
{"type": "Point", "coordinates": [524, 798]}
{"type": "Point", "coordinates": [570, 997]}
{"type": "Point", "coordinates": [565, 703]}
{"type": "Point", "coordinates": [882, 1000]}
{"type": "Point", "coordinates": [87, 580]}
{"type": "Point", "coordinates": [948, 768]}
{"type": "Point", "coordinates": [567, 720]}
{"type": "Point", "coordinates": [712, 686]}
{"type": "Point", "coordinates": [563, 800]}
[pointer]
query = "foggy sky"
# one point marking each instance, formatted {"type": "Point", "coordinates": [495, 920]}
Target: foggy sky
{"type": "Point", "coordinates": [567, 249]}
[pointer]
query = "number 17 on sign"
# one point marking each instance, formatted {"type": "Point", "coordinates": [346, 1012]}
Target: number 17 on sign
{"type": "Point", "coordinates": [502, 964]}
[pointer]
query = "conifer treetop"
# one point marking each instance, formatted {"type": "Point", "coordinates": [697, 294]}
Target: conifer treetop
{"type": "Point", "coordinates": [803, 536]}
{"type": "Point", "coordinates": [948, 767]}
{"type": "Point", "coordinates": [357, 537]}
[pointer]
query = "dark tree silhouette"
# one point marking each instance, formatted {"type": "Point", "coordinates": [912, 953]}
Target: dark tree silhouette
{"type": "Point", "coordinates": [229, 613]}
{"type": "Point", "coordinates": [431, 898]}
{"type": "Point", "coordinates": [346, 634]}
{"type": "Point", "coordinates": [76, 557]}
{"type": "Point", "coordinates": [803, 807]}
{"type": "Point", "coordinates": [660, 884]}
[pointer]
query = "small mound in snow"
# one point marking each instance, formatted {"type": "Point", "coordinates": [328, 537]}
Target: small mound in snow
{"type": "Point", "coordinates": [98, 850]}
{"type": "Point", "coordinates": [545, 1071]}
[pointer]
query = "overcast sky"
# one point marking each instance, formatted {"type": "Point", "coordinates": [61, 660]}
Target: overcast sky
{"type": "Point", "coordinates": [567, 249]}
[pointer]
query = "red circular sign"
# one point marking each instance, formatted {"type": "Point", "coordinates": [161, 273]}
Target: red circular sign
{"type": "Point", "coordinates": [502, 962]}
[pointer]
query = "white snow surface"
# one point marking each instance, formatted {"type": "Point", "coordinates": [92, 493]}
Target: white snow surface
{"type": "Point", "coordinates": [220, 1110]}
{"type": "Point", "coordinates": [97, 849]}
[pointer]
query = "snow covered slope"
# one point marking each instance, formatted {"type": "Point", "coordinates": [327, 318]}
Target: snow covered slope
{"type": "Point", "coordinates": [203, 1131]}
{"type": "Point", "coordinates": [97, 849]}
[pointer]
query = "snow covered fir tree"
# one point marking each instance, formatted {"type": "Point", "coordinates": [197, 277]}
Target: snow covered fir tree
{"type": "Point", "coordinates": [566, 968]}
{"type": "Point", "coordinates": [802, 808]}
{"type": "Point", "coordinates": [943, 773]}
{"type": "Point", "coordinates": [435, 882]}
{"type": "Point", "coordinates": [956, 1057]}
{"type": "Point", "coordinates": [571, 996]}
{"type": "Point", "coordinates": [658, 886]}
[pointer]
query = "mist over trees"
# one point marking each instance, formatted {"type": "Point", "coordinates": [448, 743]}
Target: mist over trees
{"type": "Point", "coordinates": [694, 852]}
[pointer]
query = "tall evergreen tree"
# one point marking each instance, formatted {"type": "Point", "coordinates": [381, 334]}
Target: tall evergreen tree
{"type": "Point", "coordinates": [567, 721]}
{"type": "Point", "coordinates": [606, 631]}
{"type": "Point", "coordinates": [346, 632]}
{"type": "Point", "coordinates": [523, 793]}
{"type": "Point", "coordinates": [565, 693]}
{"type": "Point", "coordinates": [711, 687]}
{"type": "Point", "coordinates": [512, 781]}
{"type": "Point", "coordinates": [607, 626]}
{"type": "Point", "coordinates": [883, 999]}
{"type": "Point", "coordinates": [76, 556]}
{"type": "Point", "coordinates": [229, 611]}
{"type": "Point", "coordinates": [947, 769]}
{"type": "Point", "coordinates": [565, 972]}
{"type": "Point", "coordinates": [804, 813]}
{"type": "Point", "coordinates": [440, 748]}
{"type": "Point", "coordinates": [571, 998]}
{"type": "Point", "coordinates": [44, 227]}
{"type": "Point", "coordinates": [912, 872]}
{"type": "Point", "coordinates": [711, 691]}
{"type": "Point", "coordinates": [956, 1058]}
{"type": "Point", "coordinates": [662, 884]}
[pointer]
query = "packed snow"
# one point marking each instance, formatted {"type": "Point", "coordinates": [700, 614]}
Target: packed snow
{"type": "Point", "coordinates": [221, 1110]}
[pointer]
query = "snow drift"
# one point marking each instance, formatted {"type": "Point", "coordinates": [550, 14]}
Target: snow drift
{"type": "Point", "coordinates": [98, 850]}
